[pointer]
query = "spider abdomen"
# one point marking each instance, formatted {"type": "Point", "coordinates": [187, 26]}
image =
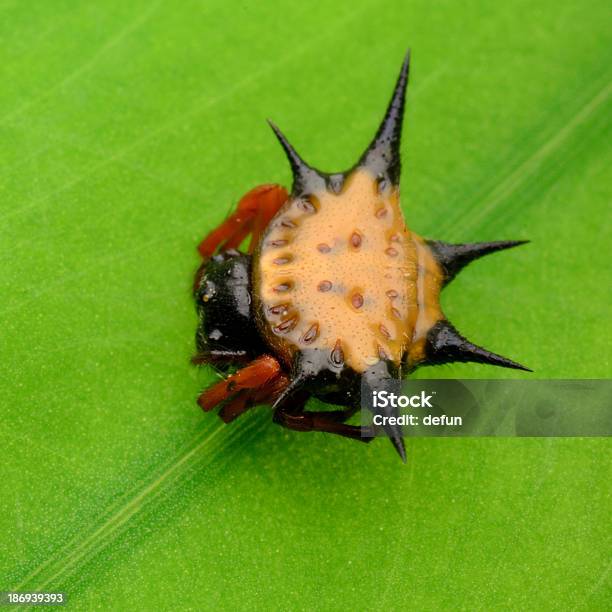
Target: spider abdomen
{"type": "Point", "coordinates": [338, 271]}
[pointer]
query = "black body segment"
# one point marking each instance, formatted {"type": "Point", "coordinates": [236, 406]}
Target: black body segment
{"type": "Point", "coordinates": [382, 157]}
{"type": "Point", "coordinates": [444, 344]}
{"type": "Point", "coordinates": [305, 179]}
{"type": "Point", "coordinates": [385, 376]}
{"type": "Point", "coordinates": [223, 301]}
{"type": "Point", "coordinates": [454, 257]}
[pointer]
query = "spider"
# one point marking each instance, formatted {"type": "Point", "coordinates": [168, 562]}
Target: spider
{"type": "Point", "coordinates": [334, 294]}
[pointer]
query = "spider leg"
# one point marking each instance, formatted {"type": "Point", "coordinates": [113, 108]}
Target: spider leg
{"type": "Point", "coordinates": [261, 381]}
{"type": "Point", "coordinates": [235, 406]}
{"type": "Point", "coordinates": [295, 417]}
{"type": "Point", "coordinates": [248, 398]}
{"type": "Point", "coordinates": [255, 210]}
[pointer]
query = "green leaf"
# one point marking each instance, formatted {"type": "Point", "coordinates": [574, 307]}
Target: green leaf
{"type": "Point", "coordinates": [128, 131]}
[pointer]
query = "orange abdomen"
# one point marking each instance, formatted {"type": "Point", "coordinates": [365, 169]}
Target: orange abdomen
{"type": "Point", "coordinates": [340, 271]}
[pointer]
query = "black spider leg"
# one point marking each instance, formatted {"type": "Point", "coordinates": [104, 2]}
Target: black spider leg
{"type": "Point", "coordinates": [289, 412]}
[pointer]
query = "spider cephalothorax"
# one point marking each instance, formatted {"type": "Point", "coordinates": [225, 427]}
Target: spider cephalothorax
{"type": "Point", "coordinates": [334, 291]}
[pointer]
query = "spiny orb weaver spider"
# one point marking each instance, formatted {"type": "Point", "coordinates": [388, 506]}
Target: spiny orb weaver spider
{"type": "Point", "coordinates": [333, 291]}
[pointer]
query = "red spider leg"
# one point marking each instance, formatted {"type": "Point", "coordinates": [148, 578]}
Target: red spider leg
{"type": "Point", "coordinates": [246, 399]}
{"type": "Point", "coordinates": [266, 203]}
{"type": "Point", "coordinates": [256, 375]}
{"type": "Point", "coordinates": [236, 406]}
{"type": "Point", "coordinates": [254, 211]}
{"type": "Point", "coordinates": [271, 202]}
